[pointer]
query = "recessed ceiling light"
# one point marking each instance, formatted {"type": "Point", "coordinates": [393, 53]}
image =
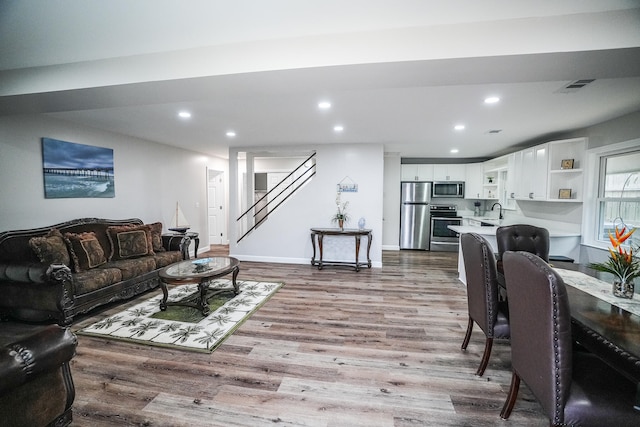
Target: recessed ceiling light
{"type": "Point", "coordinates": [231, 134]}
{"type": "Point", "coordinates": [338, 128]}
{"type": "Point", "coordinates": [324, 105]}
{"type": "Point", "coordinates": [454, 150]}
{"type": "Point", "coordinates": [491, 100]}
{"type": "Point", "coordinates": [459, 127]}
{"type": "Point", "coordinates": [184, 114]}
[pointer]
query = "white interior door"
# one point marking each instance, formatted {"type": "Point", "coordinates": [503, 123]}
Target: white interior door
{"type": "Point", "coordinates": [216, 208]}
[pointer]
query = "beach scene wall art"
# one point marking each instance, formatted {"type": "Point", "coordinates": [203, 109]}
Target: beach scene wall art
{"type": "Point", "coordinates": [76, 170]}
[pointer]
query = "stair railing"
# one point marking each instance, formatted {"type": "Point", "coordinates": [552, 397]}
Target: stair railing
{"type": "Point", "coordinates": [281, 192]}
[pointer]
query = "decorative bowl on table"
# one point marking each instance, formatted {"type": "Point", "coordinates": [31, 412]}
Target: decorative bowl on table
{"type": "Point", "coordinates": [201, 265]}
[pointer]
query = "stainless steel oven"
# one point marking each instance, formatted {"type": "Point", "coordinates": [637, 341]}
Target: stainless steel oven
{"type": "Point", "coordinates": [442, 238]}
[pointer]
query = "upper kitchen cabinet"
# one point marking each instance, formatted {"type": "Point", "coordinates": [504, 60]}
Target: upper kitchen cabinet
{"type": "Point", "coordinates": [510, 182]}
{"type": "Point", "coordinates": [416, 172]}
{"type": "Point", "coordinates": [473, 179]}
{"type": "Point", "coordinates": [566, 173]}
{"type": "Point", "coordinates": [551, 172]}
{"type": "Point", "coordinates": [449, 172]}
{"type": "Point", "coordinates": [531, 168]}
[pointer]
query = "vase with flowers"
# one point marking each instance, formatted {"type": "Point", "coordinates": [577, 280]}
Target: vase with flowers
{"type": "Point", "coordinates": [622, 263]}
{"type": "Point", "coordinates": [341, 217]}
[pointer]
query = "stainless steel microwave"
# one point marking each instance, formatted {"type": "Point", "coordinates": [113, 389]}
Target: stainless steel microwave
{"type": "Point", "coordinates": [448, 189]}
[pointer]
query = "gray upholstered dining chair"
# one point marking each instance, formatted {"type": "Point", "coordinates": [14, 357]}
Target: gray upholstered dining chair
{"type": "Point", "coordinates": [521, 237]}
{"type": "Point", "coordinates": [491, 315]}
{"type": "Point", "coordinates": [574, 388]}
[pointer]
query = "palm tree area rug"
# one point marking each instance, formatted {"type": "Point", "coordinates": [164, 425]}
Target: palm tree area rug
{"type": "Point", "coordinates": [186, 327]}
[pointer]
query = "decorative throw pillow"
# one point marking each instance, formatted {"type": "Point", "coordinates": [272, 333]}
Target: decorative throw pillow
{"type": "Point", "coordinates": [51, 249]}
{"type": "Point", "coordinates": [156, 236]}
{"type": "Point", "coordinates": [85, 251]}
{"type": "Point", "coordinates": [129, 241]}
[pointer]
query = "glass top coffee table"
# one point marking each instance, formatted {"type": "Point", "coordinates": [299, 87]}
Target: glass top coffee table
{"type": "Point", "coordinates": [200, 271]}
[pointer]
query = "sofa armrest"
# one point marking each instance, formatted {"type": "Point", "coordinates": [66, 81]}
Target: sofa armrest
{"type": "Point", "coordinates": [36, 292]}
{"type": "Point", "coordinates": [34, 273]}
{"type": "Point", "coordinates": [45, 349]}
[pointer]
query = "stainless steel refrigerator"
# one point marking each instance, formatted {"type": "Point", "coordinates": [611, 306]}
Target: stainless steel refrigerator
{"type": "Point", "coordinates": [414, 215]}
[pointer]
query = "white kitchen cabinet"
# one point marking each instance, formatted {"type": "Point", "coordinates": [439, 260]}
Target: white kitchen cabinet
{"type": "Point", "coordinates": [533, 174]}
{"type": "Point", "coordinates": [520, 184]}
{"type": "Point", "coordinates": [473, 179]}
{"type": "Point", "coordinates": [408, 173]}
{"type": "Point", "coordinates": [540, 172]}
{"type": "Point", "coordinates": [532, 169]}
{"type": "Point", "coordinates": [416, 172]}
{"type": "Point", "coordinates": [449, 172]}
{"type": "Point", "coordinates": [510, 183]}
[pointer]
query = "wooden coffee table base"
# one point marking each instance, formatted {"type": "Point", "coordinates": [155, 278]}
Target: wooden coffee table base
{"type": "Point", "coordinates": [200, 301]}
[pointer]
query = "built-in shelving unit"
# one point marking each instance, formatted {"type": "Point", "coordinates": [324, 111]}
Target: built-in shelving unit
{"type": "Point", "coordinates": [491, 189]}
{"type": "Point", "coordinates": [495, 175]}
{"type": "Point", "coordinates": [566, 173]}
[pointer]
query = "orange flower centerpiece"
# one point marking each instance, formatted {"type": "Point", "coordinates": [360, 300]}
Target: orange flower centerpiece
{"type": "Point", "coordinates": [622, 264]}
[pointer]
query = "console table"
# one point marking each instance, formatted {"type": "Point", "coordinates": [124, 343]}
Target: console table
{"type": "Point", "coordinates": [317, 234]}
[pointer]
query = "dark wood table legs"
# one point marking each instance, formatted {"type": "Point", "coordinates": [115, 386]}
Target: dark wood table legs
{"type": "Point", "coordinates": [201, 272]}
{"type": "Point", "coordinates": [317, 236]}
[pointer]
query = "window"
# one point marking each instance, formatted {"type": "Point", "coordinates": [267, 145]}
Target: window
{"type": "Point", "coordinates": [618, 194]}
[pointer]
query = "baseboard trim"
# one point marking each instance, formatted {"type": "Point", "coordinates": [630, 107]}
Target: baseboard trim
{"type": "Point", "coordinates": [374, 264]}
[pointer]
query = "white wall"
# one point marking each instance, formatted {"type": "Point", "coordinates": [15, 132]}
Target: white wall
{"type": "Point", "coordinates": [149, 178]}
{"type": "Point", "coordinates": [285, 236]}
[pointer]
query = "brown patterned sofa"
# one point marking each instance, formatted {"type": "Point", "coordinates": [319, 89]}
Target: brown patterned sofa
{"type": "Point", "coordinates": [57, 272]}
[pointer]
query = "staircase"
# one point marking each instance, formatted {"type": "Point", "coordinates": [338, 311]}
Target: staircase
{"type": "Point", "coordinates": [266, 201]}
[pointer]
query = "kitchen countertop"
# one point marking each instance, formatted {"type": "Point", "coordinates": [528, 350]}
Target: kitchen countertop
{"type": "Point", "coordinates": [561, 242]}
{"type": "Point", "coordinates": [491, 231]}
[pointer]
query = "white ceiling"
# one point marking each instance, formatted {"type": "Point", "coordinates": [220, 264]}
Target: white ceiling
{"type": "Point", "coordinates": [398, 72]}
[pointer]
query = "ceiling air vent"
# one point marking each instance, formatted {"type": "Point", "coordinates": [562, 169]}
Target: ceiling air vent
{"type": "Point", "coordinates": [494, 131]}
{"type": "Point", "coordinates": [575, 86]}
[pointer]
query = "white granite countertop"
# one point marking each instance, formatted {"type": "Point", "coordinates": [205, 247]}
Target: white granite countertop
{"type": "Point", "coordinates": [491, 231]}
{"type": "Point", "coordinates": [564, 239]}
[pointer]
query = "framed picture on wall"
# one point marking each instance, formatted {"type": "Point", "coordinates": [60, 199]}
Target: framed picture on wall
{"type": "Point", "coordinates": [73, 170]}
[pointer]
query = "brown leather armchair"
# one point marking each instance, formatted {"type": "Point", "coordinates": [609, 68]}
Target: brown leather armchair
{"type": "Point", "coordinates": [36, 388]}
{"type": "Point", "coordinates": [573, 388]}
{"type": "Point", "coordinates": [482, 294]}
{"type": "Point", "coordinates": [521, 237]}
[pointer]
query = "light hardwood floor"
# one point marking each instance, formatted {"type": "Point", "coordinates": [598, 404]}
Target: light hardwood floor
{"type": "Point", "coordinates": [380, 347]}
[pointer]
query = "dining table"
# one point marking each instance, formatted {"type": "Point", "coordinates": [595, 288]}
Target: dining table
{"type": "Point", "coordinates": [606, 325]}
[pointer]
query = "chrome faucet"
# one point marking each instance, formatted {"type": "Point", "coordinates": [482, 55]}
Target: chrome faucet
{"type": "Point", "coordinates": [494, 205]}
